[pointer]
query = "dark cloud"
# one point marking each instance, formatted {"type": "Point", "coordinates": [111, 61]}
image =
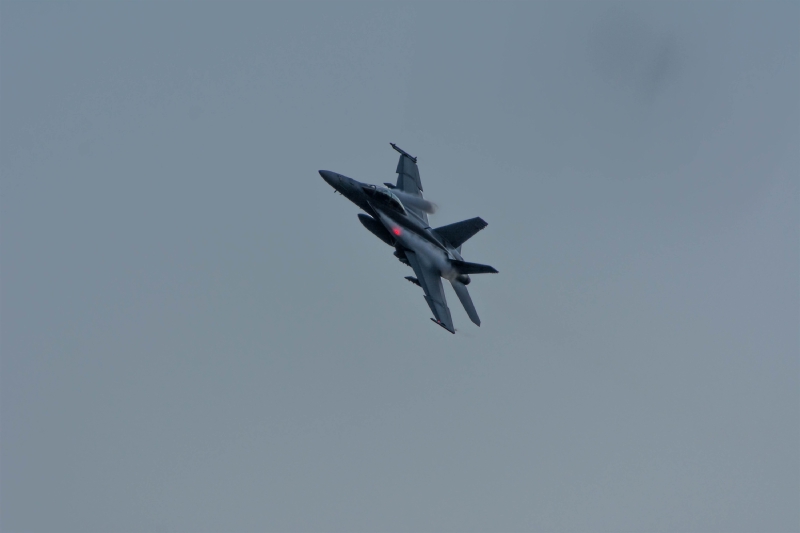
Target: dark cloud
{"type": "Point", "coordinates": [631, 52]}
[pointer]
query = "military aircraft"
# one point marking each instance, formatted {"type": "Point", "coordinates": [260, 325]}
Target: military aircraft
{"type": "Point", "coordinates": [398, 215]}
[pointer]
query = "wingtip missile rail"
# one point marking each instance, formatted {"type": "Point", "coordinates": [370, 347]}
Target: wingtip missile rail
{"type": "Point", "coordinates": [397, 148]}
{"type": "Point", "coordinates": [439, 322]}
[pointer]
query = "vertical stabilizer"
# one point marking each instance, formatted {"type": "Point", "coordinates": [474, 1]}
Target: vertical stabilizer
{"type": "Point", "coordinates": [458, 233]}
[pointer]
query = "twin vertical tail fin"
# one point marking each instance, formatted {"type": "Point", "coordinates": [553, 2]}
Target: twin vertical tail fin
{"type": "Point", "coordinates": [455, 235]}
{"type": "Point", "coordinates": [458, 233]}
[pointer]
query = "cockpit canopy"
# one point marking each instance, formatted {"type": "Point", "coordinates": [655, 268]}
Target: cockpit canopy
{"type": "Point", "coordinates": [385, 197]}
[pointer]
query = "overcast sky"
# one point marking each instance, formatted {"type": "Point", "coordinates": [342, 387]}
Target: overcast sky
{"type": "Point", "coordinates": [197, 335]}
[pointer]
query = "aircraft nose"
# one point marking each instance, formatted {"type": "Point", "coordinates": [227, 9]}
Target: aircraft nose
{"type": "Point", "coordinates": [331, 177]}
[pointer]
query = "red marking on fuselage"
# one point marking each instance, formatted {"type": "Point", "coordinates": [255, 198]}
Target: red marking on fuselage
{"type": "Point", "coordinates": [397, 231]}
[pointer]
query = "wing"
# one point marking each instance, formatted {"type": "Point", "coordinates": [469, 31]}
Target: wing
{"type": "Point", "coordinates": [408, 179]}
{"type": "Point", "coordinates": [434, 292]}
{"type": "Point", "coordinates": [466, 301]}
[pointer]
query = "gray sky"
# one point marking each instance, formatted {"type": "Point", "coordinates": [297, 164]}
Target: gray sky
{"type": "Point", "coordinates": [198, 336]}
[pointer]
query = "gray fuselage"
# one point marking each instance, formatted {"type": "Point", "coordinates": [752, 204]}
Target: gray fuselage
{"type": "Point", "coordinates": [406, 230]}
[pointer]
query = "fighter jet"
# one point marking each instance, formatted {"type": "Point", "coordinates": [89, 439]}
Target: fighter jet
{"type": "Point", "coordinates": [398, 215]}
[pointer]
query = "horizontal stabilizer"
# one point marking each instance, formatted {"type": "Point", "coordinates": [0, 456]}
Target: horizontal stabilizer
{"type": "Point", "coordinates": [472, 268]}
{"type": "Point", "coordinates": [458, 233]}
